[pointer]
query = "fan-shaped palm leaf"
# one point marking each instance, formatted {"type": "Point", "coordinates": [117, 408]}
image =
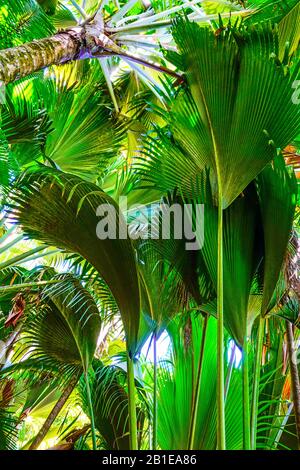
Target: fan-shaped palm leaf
{"type": "Point", "coordinates": [39, 209]}
{"type": "Point", "coordinates": [277, 190]}
{"type": "Point", "coordinates": [176, 385]}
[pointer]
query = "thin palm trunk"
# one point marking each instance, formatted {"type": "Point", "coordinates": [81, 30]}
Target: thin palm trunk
{"type": "Point", "coordinates": [283, 424]}
{"type": "Point", "coordinates": [132, 406]}
{"type": "Point", "coordinates": [154, 437]}
{"type": "Point", "coordinates": [196, 395]}
{"type": "Point", "coordinates": [221, 440]}
{"type": "Point", "coordinates": [246, 398]}
{"type": "Point", "coordinates": [91, 410]}
{"type": "Point", "coordinates": [256, 380]}
{"type": "Point", "coordinates": [294, 377]}
{"type": "Point", "coordinates": [53, 414]}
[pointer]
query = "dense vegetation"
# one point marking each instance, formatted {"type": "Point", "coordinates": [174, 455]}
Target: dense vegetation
{"type": "Point", "coordinates": [139, 342]}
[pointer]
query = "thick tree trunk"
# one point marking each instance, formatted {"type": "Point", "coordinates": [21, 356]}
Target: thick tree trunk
{"type": "Point", "coordinates": [294, 377]}
{"type": "Point", "coordinates": [23, 60]}
{"type": "Point", "coordinates": [53, 414]}
{"type": "Point", "coordinates": [85, 41]}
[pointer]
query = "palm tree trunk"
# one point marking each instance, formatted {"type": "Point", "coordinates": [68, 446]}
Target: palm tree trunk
{"type": "Point", "coordinates": [23, 60]}
{"type": "Point", "coordinates": [294, 377]}
{"type": "Point", "coordinates": [196, 395]}
{"type": "Point", "coordinates": [132, 407]}
{"type": "Point", "coordinates": [72, 44]}
{"type": "Point", "coordinates": [53, 414]}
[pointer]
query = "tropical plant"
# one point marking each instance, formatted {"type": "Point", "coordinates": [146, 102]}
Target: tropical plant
{"type": "Point", "coordinates": [113, 333]}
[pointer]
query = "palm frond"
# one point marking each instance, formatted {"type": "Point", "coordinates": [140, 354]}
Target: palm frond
{"type": "Point", "coordinates": [8, 430]}
{"type": "Point", "coordinates": [212, 128]}
{"type": "Point", "coordinates": [22, 21]}
{"type": "Point", "coordinates": [277, 191]}
{"type": "Point", "coordinates": [47, 196]}
{"type": "Point", "coordinates": [67, 327]}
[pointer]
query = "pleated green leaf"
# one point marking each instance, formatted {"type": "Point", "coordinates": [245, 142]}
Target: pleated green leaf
{"type": "Point", "coordinates": [277, 191]}
{"type": "Point", "coordinates": [164, 293]}
{"type": "Point", "coordinates": [67, 326]}
{"type": "Point", "coordinates": [285, 14]}
{"type": "Point", "coordinates": [176, 381]}
{"type": "Point", "coordinates": [289, 29]}
{"type": "Point", "coordinates": [244, 107]}
{"type": "Point", "coordinates": [240, 259]}
{"type": "Point", "coordinates": [60, 209]}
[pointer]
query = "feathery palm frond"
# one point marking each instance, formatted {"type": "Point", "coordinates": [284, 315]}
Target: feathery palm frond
{"type": "Point", "coordinates": [8, 430]}
{"type": "Point", "coordinates": [67, 327]}
{"type": "Point", "coordinates": [22, 21]}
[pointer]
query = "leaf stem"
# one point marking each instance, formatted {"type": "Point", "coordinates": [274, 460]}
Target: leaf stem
{"type": "Point", "coordinates": [22, 256]}
{"type": "Point", "coordinates": [256, 379]}
{"type": "Point", "coordinates": [246, 398]}
{"type": "Point", "coordinates": [79, 9]}
{"type": "Point", "coordinates": [91, 410]}
{"type": "Point", "coordinates": [27, 285]}
{"type": "Point", "coordinates": [132, 407]}
{"type": "Point", "coordinates": [295, 382]}
{"type": "Point", "coordinates": [154, 437]}
{"type": "Point", "coordinates": [221, 441]}
{"type": "Point", "coordinates": [196, 396]}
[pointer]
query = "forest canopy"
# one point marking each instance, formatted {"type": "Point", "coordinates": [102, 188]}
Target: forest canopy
{"type": "Point", "coordinates": [149, 224]}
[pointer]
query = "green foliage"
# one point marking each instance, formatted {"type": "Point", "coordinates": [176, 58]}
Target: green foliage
{"type": "Point", "coordinates": [67, 326]}
{"type": "Point", "coordinates": [46, 195]}
{"type": "Point", "coordinates": [277, 190]}
{"type": "Point", "coordinates": [176, 381]}
{"type": "Point", "coordinates": [49, 6]}
{"type": "Point", "coordinates": [7, 431]}
{"type": "Point", "coordinates": [22, 21]}
{"type": "Point", "coordinates": [110, 403]}
{"type": "Point", "coordinates": [213, 123]}
{"type": "Point", "coordinates": [213, 128]}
